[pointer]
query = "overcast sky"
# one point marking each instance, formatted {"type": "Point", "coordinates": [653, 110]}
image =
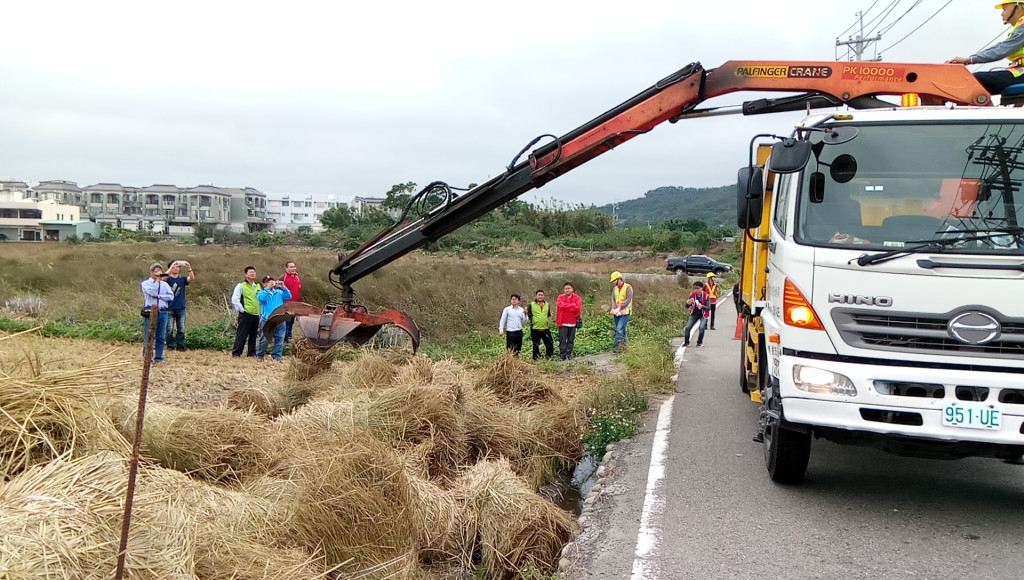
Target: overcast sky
{"type": "Point", "coordinates": [351, 98]}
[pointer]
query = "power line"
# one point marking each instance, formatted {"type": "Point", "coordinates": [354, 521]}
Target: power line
{"type": "Point", "coordinates": [885, 14]}
{"type": "Point", "coordinates": [936, 13]}
{"type": "Point", "coordinates": [889, 27]}
{"type": "Point", "coordinates": [848, 28]}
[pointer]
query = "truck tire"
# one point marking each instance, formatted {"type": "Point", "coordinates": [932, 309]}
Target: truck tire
{"type": "Point", "coordinates": [719, 271]}
{"type": "Point", "coordinates": [786, 452]}
{"type": "Point", "coordinates": [680, 270]}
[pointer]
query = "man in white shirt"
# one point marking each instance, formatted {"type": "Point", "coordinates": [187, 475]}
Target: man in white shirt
{"type": "Point", "coordinates": [156, 291]}
{"type": "Point", "coordinates": [511, 325]}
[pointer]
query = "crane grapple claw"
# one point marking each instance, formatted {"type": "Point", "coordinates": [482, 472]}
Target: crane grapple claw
{"type": "Point", "coordinates": [325, 327]}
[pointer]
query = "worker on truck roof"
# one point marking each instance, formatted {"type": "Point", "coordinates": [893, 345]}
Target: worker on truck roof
{"type": "Point", "coordinates": [1012, 48]}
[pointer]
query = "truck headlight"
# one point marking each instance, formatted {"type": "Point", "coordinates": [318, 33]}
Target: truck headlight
{"type": "Point", "coordinates": [822, 382]}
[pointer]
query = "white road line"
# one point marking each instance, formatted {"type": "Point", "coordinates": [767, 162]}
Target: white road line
{"type": "Point", "coordinates": [649, 535]}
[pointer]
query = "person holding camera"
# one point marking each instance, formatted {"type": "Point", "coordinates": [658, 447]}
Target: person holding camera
{"type": "Point", "coordinates": [273, 295]}
{"type": "Point", "coordinates": [176, 311]}
{"type": "Point", "coordinates": [155, 291]}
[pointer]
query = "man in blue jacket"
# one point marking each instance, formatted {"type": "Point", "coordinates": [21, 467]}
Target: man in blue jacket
{"type": "Point", "coordinates": [273, 294]}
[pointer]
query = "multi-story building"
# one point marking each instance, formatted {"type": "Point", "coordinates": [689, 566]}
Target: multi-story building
{"type": "Point", "coordinates": [13, 190]}
{"type": "Point", "coordinates": [66, 192]}
{"type": "Point", "coordinates": [361, 204]}
{"type": "Point", "coordinates": [248, 210]}
{"type": "Point", "coordinates": [30, 220]}
{"type": "Point", "coordinates": [291, 211]}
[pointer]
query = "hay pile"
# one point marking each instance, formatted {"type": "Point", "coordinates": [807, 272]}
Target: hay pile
{"type": "Point", "coordinates": [518, 530]}
{"type": "Point", "coordinates": [516, 381]}
{"type": "Point", "coordinates": [53, 415]}
{"type": "Point", "coordinates": [307, 361]}
{"type": "Point", "coordinates": [63, 520]}
{"type": "Point", "coordinates": [215, 444]}
{"type": "Point", "coordinates": [375, 470]}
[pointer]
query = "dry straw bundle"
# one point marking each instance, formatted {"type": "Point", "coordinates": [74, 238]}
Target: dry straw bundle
{"type": "Point", "coordinates": [519, 532]}
{"type": "Point", "coordinates": [216, 444]}
{"type": "Point", "coordinates": [345, 494]}
{"type": "Point", "coordinates": [442, 537]}
{"type": "Point", "coordinates": [516, 381]}
{"type": "Point", "coordinates": [370, 371]}
{"type": "Point", "coordinates": [62, 520]}
{"type": "Point", "coordinates": [50, 415]}
{"type": "Point", "coordinates": [268, 401]}
{"type": "Point", "coordinates": [230, 531]}
{"type": "Point", "coordinates": [535, 439]}
{"type": "Point", "coordinates": [307, 361]}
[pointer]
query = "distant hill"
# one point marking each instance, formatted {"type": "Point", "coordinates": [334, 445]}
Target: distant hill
{"type": "Point", "coordinates": [715, 205]}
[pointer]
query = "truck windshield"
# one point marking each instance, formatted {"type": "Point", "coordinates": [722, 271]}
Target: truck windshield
{"type": "Point", "coordinates": [957, 183]}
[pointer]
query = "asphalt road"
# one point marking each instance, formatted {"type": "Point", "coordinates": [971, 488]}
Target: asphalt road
{"type": "Point", "coordinates": [860, 513]}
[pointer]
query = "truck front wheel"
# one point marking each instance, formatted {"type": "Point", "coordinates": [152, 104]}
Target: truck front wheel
{"type": "Point", "coordinates": [786, 452]}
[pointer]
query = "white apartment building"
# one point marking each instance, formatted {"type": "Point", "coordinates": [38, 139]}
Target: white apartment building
{"type": "Point", "coordinates": [290, 211]}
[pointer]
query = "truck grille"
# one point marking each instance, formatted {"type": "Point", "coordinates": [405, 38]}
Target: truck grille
{"type": "Point", "coordinates": [924, 333]}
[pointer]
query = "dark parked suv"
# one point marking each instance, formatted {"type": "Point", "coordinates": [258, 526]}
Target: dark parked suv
{"type": "Point", "coordinates": [696, 265]}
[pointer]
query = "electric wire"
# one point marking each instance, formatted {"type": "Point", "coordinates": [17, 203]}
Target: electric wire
{"type": "Point", "coordinates": [895, 22]}
{"type": "Point", "coordinates": [862, 13]}
{"type": "Point", "coordinates": [948, 2]}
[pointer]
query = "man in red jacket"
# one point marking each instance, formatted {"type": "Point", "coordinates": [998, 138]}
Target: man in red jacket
{"type": "Point", "coordinates": [294, 284]}
{"type": "Point", "coordinates": [567, 315]}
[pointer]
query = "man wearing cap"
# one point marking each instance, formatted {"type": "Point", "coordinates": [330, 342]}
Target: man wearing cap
{"type": "Point", "coordinates": [245, 303]}
{"type": "Point", "coordinates": [622, 296]}
{"type": "Point", "coordinates": [273, 295]}
{"type": "Point", "coordinates": [155, 291]}
{"type": "Point", "coordinates": [1012, 48]}
{"type": "Point", "coordinates": [711, 287]}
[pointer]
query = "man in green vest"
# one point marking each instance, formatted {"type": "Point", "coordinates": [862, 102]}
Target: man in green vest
{"type": "Point", "coordinates": [1012, 48]}
{"type": "Point", "coordinates": [244, 301]}
{"type": "Point", "coordinates": [539, 313]}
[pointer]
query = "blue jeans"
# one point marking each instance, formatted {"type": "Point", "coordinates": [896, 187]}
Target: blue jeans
{"type": "Point", "coordinates": [161, 334]}
{"type": "Point", "coordinates": [279, 332]}
{"type": "Point", "coordinates": [178, 318]}
{"type": "Point", "coordinates": [694, 319]}
{"type": "Point", "coordinates": [288, 333]}
{"type": "Point", "coordinates": [620, 330]}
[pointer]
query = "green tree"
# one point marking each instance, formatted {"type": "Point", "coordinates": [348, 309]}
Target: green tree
{"type": "Point", "coordinates": [695, 225]}
{"type": "Point", "coordinates": [398, 196]}
{"type": "Point", "coordinates": [338, 217]}
{"type": "Point", "coordinates": [203, 231]}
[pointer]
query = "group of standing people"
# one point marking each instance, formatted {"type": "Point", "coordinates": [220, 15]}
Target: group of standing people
{"type": "Point", "coordinates": [253, 302]}
{"type": "Point", "coordinates": [567, 313]}
{"type": "Point", "coordinates": [568, 318]}
{"type": "Point", "coordinates": [166, 290]}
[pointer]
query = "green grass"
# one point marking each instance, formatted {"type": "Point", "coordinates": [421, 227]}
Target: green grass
{"type": "Point", "coordinates": [614, 408]}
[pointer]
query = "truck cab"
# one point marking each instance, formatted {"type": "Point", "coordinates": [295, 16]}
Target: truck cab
{"type": "Point", "coordinates": [880, 285]}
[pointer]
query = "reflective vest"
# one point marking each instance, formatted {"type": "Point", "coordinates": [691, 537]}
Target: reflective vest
{"type": "Point", "coordinates": [620, 297]}
{"type": "Point", "coordinates": [539, 315]}
{"type": "Point", "coordinates": [712, 291]}
{"type": "Point", "coordinates": [1016, 57]}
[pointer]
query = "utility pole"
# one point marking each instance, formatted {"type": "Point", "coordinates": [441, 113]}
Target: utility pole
{"type": "Point", "coordinates": [858, 44]}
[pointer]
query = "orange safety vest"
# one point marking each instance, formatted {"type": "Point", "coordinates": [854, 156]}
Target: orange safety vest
{"type": "Point", "coordinates": [712, 291]}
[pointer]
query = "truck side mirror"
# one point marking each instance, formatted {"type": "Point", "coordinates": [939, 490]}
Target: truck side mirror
{"type": "Point", "coordinates": [789, 156]}
{"type": "Point", "coordinates": [749, 197]}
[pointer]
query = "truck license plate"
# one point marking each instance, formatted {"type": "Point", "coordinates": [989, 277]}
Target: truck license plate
{"type": "Point", "coordinates": [972, 416]}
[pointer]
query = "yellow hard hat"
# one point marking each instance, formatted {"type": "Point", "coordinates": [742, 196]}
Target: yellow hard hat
{"type": "Point", "coordinates": [616, 276]}
{"type": "Point", "coordinates": [711, 275]}
{"type": "Point", "coordinates": [1001, 4]}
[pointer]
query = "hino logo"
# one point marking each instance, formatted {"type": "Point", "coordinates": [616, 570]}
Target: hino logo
{"type": "Point", "coordinates": [974, 327]}
{"type": "Point", "coordinates": [883, 301]}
